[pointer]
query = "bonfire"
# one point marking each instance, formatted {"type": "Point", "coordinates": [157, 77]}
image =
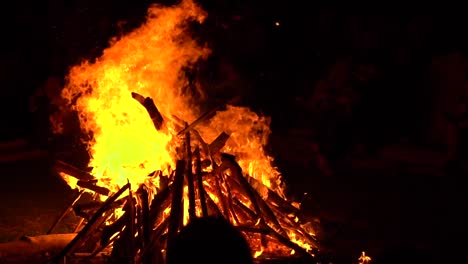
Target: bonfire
{"type": "Point", "coordinates": [157, 161]}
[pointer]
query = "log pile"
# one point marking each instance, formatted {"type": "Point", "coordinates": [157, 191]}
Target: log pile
{"type": "Point", "coordinates": [134, 224]}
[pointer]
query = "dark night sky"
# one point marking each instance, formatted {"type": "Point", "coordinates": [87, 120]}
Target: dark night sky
{"type": "Point", "coordinates": [277, 63]}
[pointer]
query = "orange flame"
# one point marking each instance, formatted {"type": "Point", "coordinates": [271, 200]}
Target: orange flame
{"type": "Point", "coordinates": [148, 61]}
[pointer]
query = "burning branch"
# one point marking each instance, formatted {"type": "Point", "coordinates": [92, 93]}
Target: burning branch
{"type": "Point", "coordinates": [153, 111]}
{"type": "Point", "coordinates": [93, 223]}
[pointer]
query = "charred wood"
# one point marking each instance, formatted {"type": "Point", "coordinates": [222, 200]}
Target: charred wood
{"type": "Point", "coordinates": [262, 209]}
{"type": "Point", "coordinates": [176, 205]}
{"type": "Point", "coordinates": [68, 169]}
{"type": "Point", "coordinates": [218, 143]}
{"type": "Point", "coordinates": [160, 202]}
{"type": "Point", "coordinates": [65, 212]}
{"type": "Point", "coordinates": [90, 185]}
{"type": "Point", "coordinates": [189, 175]}
{"type": "Point", "coordinates": [92, 225]}
{"type": "Point", "coordinates": [201, 191]}
{"type": "Point", "coordinates": [151, 108]}
{"type": "Point", "coordinates": [273, 198]}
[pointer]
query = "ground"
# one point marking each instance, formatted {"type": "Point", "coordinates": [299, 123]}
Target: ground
{"type": "Point", "coordinates": [375, 208]}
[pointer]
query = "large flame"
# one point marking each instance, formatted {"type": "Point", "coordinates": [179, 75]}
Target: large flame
{"type": "Point", "coordinates": [150, 61]}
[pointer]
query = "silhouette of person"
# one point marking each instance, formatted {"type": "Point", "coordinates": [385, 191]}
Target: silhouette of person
{"type": "Point", "coordinates": [209, 240]}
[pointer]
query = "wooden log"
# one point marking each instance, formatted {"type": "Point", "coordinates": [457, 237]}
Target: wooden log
{"type": "Point", "coordinates": [158, 205]}
{"type": "Point", "coordinates": [65, 212]}
{"type": "Point", "coordinates": [204, 145]}
{"type": "Point", "coordinates": [207, 115]}
{"type": "Point", "coordinates": [176, 205]}
{"type": "Point", "coordinates": [123, 250]}
{"type": "Point", "coordinates": [221, 197]}
{"type": "Point", "coordinates": [90, 226]}
{"type": "Point", "coordinates": [152, 250]}
{"type": "Point", "coordinates": [151, 108]}
{"type": "Point", "coordinates": [261, 208]}
{"type": "Point", "coordinates": [287, 242]}
{"type": "Point", "coordinates": [290, 224]}
{"type": "Point", "coordinates": [229, 200]}
{"type": "Point", "coordinates": [68, 169]}
{"type": "Point", "coordinates": [91, 186]}
{"type": "Point", "coordinates": [189, 177]}
{"type": "Point", "coordinates": [87, 210]}
{"type": "Point", "coordinates": [201, 190]}
{"type": "Point", "coordinates": [244, 210]}
{"type": "Point", "coordinates": [145, 219]}
{"type": "Point", "coordinates": [218, 143]}
{"type": "Point", "coordinates": [272, 197]}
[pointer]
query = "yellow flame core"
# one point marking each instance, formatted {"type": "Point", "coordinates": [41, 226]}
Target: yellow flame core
{"type": "Point", "coordinates": [148, 61]}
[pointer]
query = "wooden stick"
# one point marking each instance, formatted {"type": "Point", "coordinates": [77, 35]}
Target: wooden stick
{"type": "Point", "coordinates": [156, 234]}
{"type": "Point", "coordinates": [68, 169]}
{"type": "Point", "coordinates": [201, 191]}
{"type": "Point", "coordinates": [245, 210]}
{"type": "Point", "coordinates": [218, 143]}
{"type": "Point", "coordinates": [84, 210]}
{"type": "Point", "coordinates": [189, 174]}
{"type": "Point", "coordinates": [221, 197]}
{"type": "Point", "coordinates": [65, 212]}
{"type": "Point", "coordinates": [262, 209]}
{"type": "Point", "coordinates": [204, 145]}
{"type": "Point", "coordinates": [146, 224]}
{"type": "Point", "coordinates": [287, 242]}
{"type": "Point", "coordinates": [151, 108]}
{"type": "Point", "coordinates": [131, 225]}
{"type": "Point", "coordinates": [156, 205]}
{"type": "Point", "coordinates": [205, 116]}
{"type": "Point", "coordinates": [89, 226]}
{"type": "Point", "coordinates": [90, 185]}
{"type": "Point", "coordinates": [273, 198]}
{"type": "Point", "coordinates": [229, 200]}
{"type": "Point", "coordinates": [176, 205]}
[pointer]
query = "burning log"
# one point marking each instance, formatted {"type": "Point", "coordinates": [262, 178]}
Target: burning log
{"type": "Point", "coordinates": [145, 219]}
{"type": "Point", "coordinates": [91, 186]}
{"type": "Point", "coordinates": [207, 115]}
{"type": "Point", "coordinates": [153, 111]}
{"type": "Point", "coordinates": [65, 212]}
{"type": "Point", "coordinates": [218, 143]}
{"type": "Point", "coordinates": [273, 198]}
{"type": "Point", "coordinates": [262, 209]}
{"type": "Point", "coordinates": [68, 169]}
{"type": "Point", "coordinates": [189, 176]}
{"type": "Point", "coordinates": [89, 209]}
{"type": "Point", "coordinates": [159, 203]}
{"type": "Point", "coordinates": [201, 191]}
{"type": "Point", "coordinates": [93, 223]}
{"type": "Point", "coordinates": [176, 205]}
{"type": "Point", "coordinates": [124, 249]}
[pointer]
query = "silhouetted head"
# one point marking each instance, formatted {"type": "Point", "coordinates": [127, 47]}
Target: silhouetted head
{"type": "Point", "coordinates": [209, 240]}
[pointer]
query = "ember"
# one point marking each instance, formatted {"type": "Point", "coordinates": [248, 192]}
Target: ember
{"type": "Point", "coordinates": [153, 171]}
